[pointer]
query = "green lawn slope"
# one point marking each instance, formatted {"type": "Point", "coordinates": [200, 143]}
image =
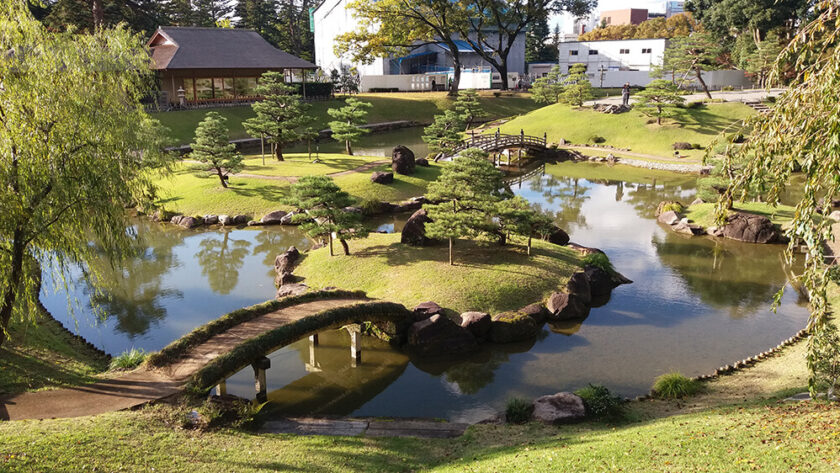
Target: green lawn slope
{"type": "Point", "coordinates": [631, 130]}
{"type": "Point", "coordinates": [386, 107]}
{"type": "Point", "coordinates": [485, 277]}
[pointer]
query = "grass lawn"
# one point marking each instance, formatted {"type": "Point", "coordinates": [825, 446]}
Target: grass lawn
{"type": "Point", "coordinates": [630, 130]}
{"type": "Point", "coordinates": [359, 186]}
{"type": "Point", "coordinates": [386, 107]}
{"type": "Point", "coordinates": [42, 355]}
{"type": "Point", "coordinates": [704, 214]}
{"type": "Point", "coordinates": [299, 164]}
{"type": "Point", "coordinates": [487, 278]}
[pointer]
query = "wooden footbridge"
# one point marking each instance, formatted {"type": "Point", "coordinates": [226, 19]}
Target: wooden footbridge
{"type": "Point", "coordinates": [499, 141]}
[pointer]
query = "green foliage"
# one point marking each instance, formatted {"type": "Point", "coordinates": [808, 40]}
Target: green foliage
{"type": "Point", "coordinates": [279, 114]}
{"type": "Point", "coordinates": [467, 191]}
{"type": "Point", "coordinates": [673, 206]}
{"type": "Point", "coordinates": [824, 358]}
{"type": "Point", "coordinates": [348, 119]}
{"type": "Point", "coordinates": [323, 203]}
{"type": "Point", "coordinates": [444, 134]}
{"type": "Point", "coordinates": [73, 150]}
{"type": "Point", "coordinates": [468, 107]}
{"type": "Point", "coordinates": [577, 87]}
{"type": "Point", "coordinates": [677, 25]}
{"type": "Point", "coordinates": [212, 146]}
{"type": "Point", "coordinates": [600, 403]}
{"type": "Point", "coordinates": [675, 385]}
{"type": "Point", "coordinates": [761, 60]}
{"type": "Point", "coordinates": [537, 47]}
{"type": "Point", "coordinates": [199, 335]}
{"type": "Point", "coordinates": [599, 260]}
{"type": "Point", "coordinates": [548, 89]}
{"type": "Point", "coordinates": [752, 19]}
{"type": "Point", "coordinates": [691, 55]}
{"type": "Point", "coordinates": [658, 99]}
{"type": "Point", "coordinates": [128, 359]}
{"type": "Point", "coordinates": [518, 410]}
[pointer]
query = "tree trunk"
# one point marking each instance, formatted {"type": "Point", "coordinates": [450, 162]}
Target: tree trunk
{"type": "Point", "coordinates": [331, 245]}
{"type": "Point", "coordinates": [98, 13]}
{"type": "Point", "coordinates": [502, 68]}
{"type": "Point", "coordinates": [221, 177]}
{"type": "Point", "coordinates": [11, 291]}
{"type": "Point", "coordinates": [450, 252]}
{"type": "Point", "coordinates": [278, 152]}
{"type": "Point", "coordinates": [456, 75]}
{"type": "Point", "coordinates": [529, 245]}
{"type": "Point", "coordinates": [702, 82]}
{"type": "Point", "coordinates": [345, 247]}
{"type": "Point", "coordinates": [348, 148]}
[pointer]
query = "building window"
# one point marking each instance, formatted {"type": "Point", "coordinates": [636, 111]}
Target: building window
{"type": "Point", "coordinates": [223, 88]}
{"type": "Point", "coordinates": [203, 89]}
{"type": "Point", "coordinates": [646, 50]}
{"type": "Point", "coordinates": [245, 86]}
{"type": "Point", "coordinates": [573, 52]}
{"type": "Point", "coordinates": [189, 88]}
{"type": "Point", "coordinates": [623, 51]}
{"type": "Point", "coordinates": [593, 52]}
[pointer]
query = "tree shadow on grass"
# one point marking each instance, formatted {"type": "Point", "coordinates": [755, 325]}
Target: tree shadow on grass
{"type": "Point", "coordinates": [34, 373]}
{"type": "Point", "coordinates": [703, 121]}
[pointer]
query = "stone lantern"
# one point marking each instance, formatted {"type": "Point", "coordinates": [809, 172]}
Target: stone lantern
{"type": "Point", "coordinates": [182, 97]}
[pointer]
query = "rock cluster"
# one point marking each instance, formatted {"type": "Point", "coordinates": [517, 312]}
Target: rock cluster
{"type": "Point", "coordinates": [284, 280]}
{"type": "Point", "coordinates": [740, 226]}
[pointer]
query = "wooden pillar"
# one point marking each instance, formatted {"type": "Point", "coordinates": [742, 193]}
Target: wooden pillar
{"type": "Point", "coordinates": [303, 81]}
{"type": "Point", "coordinates": [259, 367]}
{"type": "Point", "coordinates": [355, 348]}
{"type": "Point", "coordinates": [313, 342]}
{"type": "Point", "coordinates": [314, 339]}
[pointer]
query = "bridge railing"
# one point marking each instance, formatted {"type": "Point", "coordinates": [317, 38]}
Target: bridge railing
{"type": "Point", "coordinates": [499, 141]}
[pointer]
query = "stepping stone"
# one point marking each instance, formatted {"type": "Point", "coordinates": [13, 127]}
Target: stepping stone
{"type": "Point", "coordinates": [799, 397]}
{"type": "Point", "coordinates": [346, 428]}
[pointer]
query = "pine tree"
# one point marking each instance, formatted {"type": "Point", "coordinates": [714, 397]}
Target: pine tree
{"type": "Point", "coordinates": [212, 146]}
{"type": "Point", "coordinates": [258, 15]}
{"type": "Point", "coordinates": [516, 216]}
{"type": "Point", "coordinates": [577, 88]}
{"type": "Point", "coordinates": [536, 39]}
{"type": "Point", "coordinates": [467, 192]}
{"type": "Point", "coordinates": [323, 203]}
{"type": "Point", "coordinates": [444, 134]}
{"type": "Point", "coordinates": [280, 113]}
{"type": "Point", "coordinates": [658, 99]}
{"type": "Point", "coordinates": [549, 88]}
{"type": "Point", "coordinates": [347, 120]}
{"type": "Point", "coordinates": [210, 12]}
{"type": "Point", "coordinates": [468, 107]}
{"type": "Point", "coordinates": [693, 55]}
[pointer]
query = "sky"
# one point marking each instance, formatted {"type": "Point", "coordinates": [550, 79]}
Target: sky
{"type": "Point", "coordinates": [656, 6]}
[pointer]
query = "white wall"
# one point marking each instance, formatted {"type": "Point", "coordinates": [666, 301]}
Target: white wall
{"type": "Point", "coordinates": [333, 18]}
{"type": "Point", "coordinates": [713, 79]}
{"type": "Point", "coordinates": [421, 82]}
{"type": "Point", "coordinates": [609, 54]}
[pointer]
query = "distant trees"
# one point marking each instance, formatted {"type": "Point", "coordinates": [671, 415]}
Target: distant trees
{"type": "Point", "coordinates": [212, 146]}
{"type": "Point", "coordinates": [549, 88]}
{"type": "Point", "coordinates": [468, 107]}
{"type": "Point", "coordinates": [348, 121]}
{"type": "Point", "coordinates": [729, 19]}
{"type": "Point", "coordinates": [279, 114]}
{"type": "Point", "coordinates": [323, 203]}
{"type": "Point", "coordinates": [538, 47]}
{"type": "Point", "coordinates": [678, 25]}
{"type": "Point", "coordinates": [658, 99]}
{"type": "Point", "coordinates": [577, 88]}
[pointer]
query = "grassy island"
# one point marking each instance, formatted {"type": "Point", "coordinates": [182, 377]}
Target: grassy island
{"type": "Point", "coordinates": [486, 277]}
{"type": "Point", "coordinates": [704, 214]}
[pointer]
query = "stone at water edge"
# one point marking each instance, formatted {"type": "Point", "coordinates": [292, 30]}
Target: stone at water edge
{"type": "Point", "coordinates": [211, 219]}
{"type": "Point", "coordinates": [661, 207]}
{"type": "Point", "coordinates": [284, 262]}
{"type": "Point", "coordinates": [402, 160]}
{"type": "Point", "coordinates": [225, 220]}
{"type": "Point", "coordinates": [563, 306]}
{"type": "Point", "coordinates": [424, 310]}
{"type": "Point", "coordinates": [381, 177]}
{"type": "Point", "coordinates": [284, 279]}
{"type": "Point", "coordinates": [478, 323]}
{"type": "Point", "coordinates": [536, 311]}
{"type": "Point", "coordinates": [291, 290]}
{"type": "Point", "coordinates": [578, 286]}
{"type": "Point", "coordinates": [438, 335]}
{"type": "Point", "coordinates": [288, 219]}
{"type": "Point", "coordinates": [668, 218]}
{"type": "Point", "coordinates": [750, 228]}
{"type": "Point", "coordinates": [273, 218]}
{"type": "Point", "coordinates": [558, 236]}
{"type": "Point", "coordinates": [240, 219]}
{"type": "Point", "coordinates": [688, 229]}
{"type": "Point", "coordinates": [509, 327]}
{"type": "Point", "coordinates": [559, 408]}
{"type": "Point", "coordinates": [414, 230]}
{"type": "Point", "coordinates": [600, 282]}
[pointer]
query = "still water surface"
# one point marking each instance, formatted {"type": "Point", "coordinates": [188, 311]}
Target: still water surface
{"type": "Point", "coordinates": [695, 304]}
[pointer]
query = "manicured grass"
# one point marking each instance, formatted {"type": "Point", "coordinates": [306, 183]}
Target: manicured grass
{"type": "Point", "coordinates": [43, 355]}
{"type": "Point", "coordinates": [704, 214]}
{"type": "Point", "coordinates": [300, 164]}
{"type": "Point", "coordinates": [630, 130]}
{"type": "Point", "coordinates": [487, 277]}
{"type": "Point", "coordinates": [419, 107]}
{"type": "Point", "coordinates": [404, 187]}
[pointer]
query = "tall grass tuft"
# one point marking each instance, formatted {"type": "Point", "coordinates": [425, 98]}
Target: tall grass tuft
{"type": "Point", "coordinates": [675, 385]}
{"type": "Point", "coordinates": [128, 359]}
{"type": "Point", "coordinates": [600, 403]}
{"type": "Point", "coordinates": [518, 410]}
{"type": "Point", "coordinates": [599, 260]}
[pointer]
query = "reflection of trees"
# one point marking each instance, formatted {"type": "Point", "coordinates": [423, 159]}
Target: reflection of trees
{"type": "Point", "coordinates": [645, 197]}
{"type": "Point", "coordinates": [740, 276]}
{"type": "Point", "coordinates": [271, 243]}
{"type": "Point", "coordinates": [132, 292]}
{"type": "Point", "coordinates": [563, 198]}
{"type": "Point", "coordinates": [221, 260]}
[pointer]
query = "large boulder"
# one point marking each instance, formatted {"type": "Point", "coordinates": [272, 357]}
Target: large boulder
{"type": "Point", "coordinates": [285, 261]}
{"type": "Point", "coordinates": [600, 282]}
{"type": "Point", "coordinates": [558, 236]}
{"type": "Point", "coordinates": [668, 218]}
{"type": "Point", "coordinates": [424, 310]}
{"type": "Point", "coordinates": [240, 219]}
{"type": "Point", "coordinates": [211, 219]}
{"type": "Point", "coordinates": [750, 228]}
{"type": "Point", "coordinates": [186, 221]}
{"type": "Point", "coordinates": [438, 335]}
{"type": "Point", "coordinates": [414, 230]}
{"type": "Point", "coordinates": [559, 408]}
{"type": "Point", "coordinates": [273, 218]}
{"type": "Point", "coordinates": [478, 323]}
{"type": "Point", "coordinates": [564, 306]}
{"type": "Point", "coordinates": [536, 311]}
{"type": "Point", "coordinates": [510, 327]}
{"type": "Point", "coordinates": [287, 290]}
{"type": "Point", "coordinates": [578, 286]}
{"type": "Point", "coordinates": [381, 177]}
{"type": "Point", "coordinates": [402, 160]}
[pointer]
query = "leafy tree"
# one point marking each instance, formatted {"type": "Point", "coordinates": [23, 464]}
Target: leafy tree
{"type": "Point", "coordinates": [577, 88]}
{"type": "Point", "coordinates": [678, 25]}
{"type": "Point", "coordinates": [309, 135]}
{"type": "Point", "coordinates": [537, 46]}
{"type": "Point", "coordinates": [212, 146]}
{"type": "Point", "coordinates": [444, 134]}
{"type": "Point", "coordinates": [467, 191]}
{"type": "Point", "coordinates": [693, 55]}
{"type": "Point", "coordinates": [348, 119]}
{"type": "Point", "coordinates": [755, 18]}
{"type": "Point", "coordinates": [549, 88]}
{"type": "Point", "coordinates": [349, 80]}
{"type": "Point", "coordinates": [468, 107]}
{"type": "Point", "coordinates": [279, 114]}
{"type": "Point", "coordinates": [659, 99]}
{"type": "Point", "coordinates": [73, 151]}
{"type": "Point", "coordinates": [800, 131]}
{"type": "Point", "coordinates": [323, 203]}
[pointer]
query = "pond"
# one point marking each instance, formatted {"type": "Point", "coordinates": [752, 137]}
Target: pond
{"type": "Point", "coordinates": [695, 304]}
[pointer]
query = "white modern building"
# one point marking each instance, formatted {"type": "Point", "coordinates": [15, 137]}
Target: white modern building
{"type": "Point", "coordinates": [332, 18]}
{"type": "Point", "coordinates": [620, 55]}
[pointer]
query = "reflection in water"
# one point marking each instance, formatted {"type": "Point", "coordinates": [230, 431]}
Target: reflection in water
{"type": "Point", "coordinates": [221, 260]}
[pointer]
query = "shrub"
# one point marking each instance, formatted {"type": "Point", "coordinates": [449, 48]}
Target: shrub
{"type": "Point", "coordinates": [371, 207]}
{"type": "Point", "coordinates": [682, 145]}
{"type": "Point", "coordinates": [694, 105]}
{"type": "Point", "coordinates": [128, 360]}
{"type": "Point", "coordinates": [675, 206]}
{"type": "Point", "coordinates": [599, 260]}
{"type": "Point", "coordinates": [697, 146]}
{"type": "Point", "coordinates": [727, 88]}
{"type": "Point", "coordinates": [600, 403]}
{"type": "Point", "coordinates": [518, 410]}
{"type": "Point", "coordinates": [596, 139]}
{"type": "Point", "coordinates": [675, 385]}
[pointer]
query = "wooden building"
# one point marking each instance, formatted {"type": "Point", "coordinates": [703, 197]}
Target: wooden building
{"type": "Point", "coordinates": [216, 65]}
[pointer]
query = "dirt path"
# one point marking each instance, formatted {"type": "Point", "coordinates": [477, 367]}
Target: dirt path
{"type": "Point", "coordinates": [142, 385]}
